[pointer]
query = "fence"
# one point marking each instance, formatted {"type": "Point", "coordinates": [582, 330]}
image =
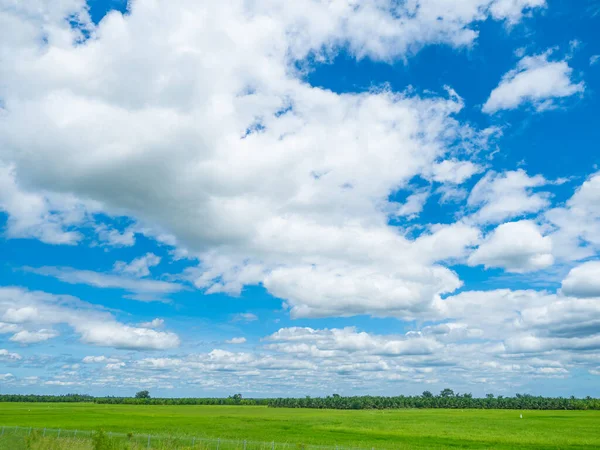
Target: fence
{"type": "Point", "coordinates": [157, 441]}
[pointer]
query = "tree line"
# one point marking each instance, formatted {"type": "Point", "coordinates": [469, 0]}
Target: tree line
{"type": "Point", "coordinates": [446, 399]}
{"type": "Point", "coordinates": [141, 398]}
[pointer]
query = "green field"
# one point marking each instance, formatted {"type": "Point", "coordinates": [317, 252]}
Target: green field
{"type": "Point", "coordinates": [390, 429]}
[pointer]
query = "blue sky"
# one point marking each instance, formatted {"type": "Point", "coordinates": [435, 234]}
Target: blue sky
{"type": "Point", "coordinates": [383, 198]}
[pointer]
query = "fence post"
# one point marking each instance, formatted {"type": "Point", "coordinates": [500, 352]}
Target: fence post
{"type": "Point", "coordinates": [148, 441]}
{"type": "Point", "coordinates": [2, 431]}
{"type": "Point", "coordinates": [29, 434]}
{"type": "Point", "coordinates": [218, 443]}
{"type": "Point", "coordinates": [273, 445]}
{"type": "Point", "coordinates": [244, 444]}
{"type": "Point", "coordinates": [75, 435]}
{"type": "Point", "coordinates": [44, 434]}
{"type": "Point", "coordinates": [58, 435]}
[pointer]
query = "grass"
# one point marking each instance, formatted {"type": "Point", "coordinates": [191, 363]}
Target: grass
{"type": "Point", "coordinates": [390, 429]}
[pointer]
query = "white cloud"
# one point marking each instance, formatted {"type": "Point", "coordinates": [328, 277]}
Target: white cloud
{"type": "Point", "coordinates": [594, 59]}
{"type": "Point", "coordinates": [115, 238]}
{"type": "Point", "coordinates": [115, 366]}
{"type": "Point", "coordinates": [38, 215]}
{"type": "Point", "coordinates": [349, 340]}
{"type": "Point", "coordinates": [94, 326]}
{"type": "Point", "coordinates": [502, 196]}
{"type": "Point", "coordinates": [455, 172]}
{"type": "Point", "coordinates": [117, 335]}
{"type": "Point", "coordinates": [99, 359]}
{"type": "Point", "coordinates": [237, 340]}
{"type": "Point", "coordinates": [139, 267]}
{"type": "Point", "coordinates": [155, 323]}
{"type": "Point", "coordinates": [244, 317]}
{"type": "Point", "coordinates": [238, 161]}
{"type": "Point", "coordinates": [577, 223]}
{"type": "Point", "coordinates": [516, 247]}
{"type": "Point", "coordinates": [513, 10]}
{"type": "Point", "coordinates": [5, 354]}
{"type": "Point", "coordinates": [141, 289]}
{"type": "Point", "coordinates": [407, 280]}
{"type": "Point", "coordinates": [583, 281]}
{"type": "Point", "coordinates": [536, 80]}
{"type": "Point", "coordinates": [6, 328]}
{"type": "Point", "coordinates": [33, 337]}
{"type": "Point", "coordinates": [414, 204]}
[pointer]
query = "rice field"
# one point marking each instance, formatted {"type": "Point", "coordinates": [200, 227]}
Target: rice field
{"type": "Point", "coordinates": [262, 428]}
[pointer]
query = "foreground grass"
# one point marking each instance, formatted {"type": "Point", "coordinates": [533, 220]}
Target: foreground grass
{"type": "Point", "coordinates": [410, 429]}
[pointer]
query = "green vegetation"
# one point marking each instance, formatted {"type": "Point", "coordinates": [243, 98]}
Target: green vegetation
{"type": "Point", "coordinates": [381, 429]}
{"type": "Point", "coordinates": [446, 399]}
{"type": "Point", "coordinates": [141, 398]}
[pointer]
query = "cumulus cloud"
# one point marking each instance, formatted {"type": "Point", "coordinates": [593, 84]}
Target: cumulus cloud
{"type": "Point", "coordinates": [139, 267]}
{"type": "Point", "coordinates": [115, 238]}
{"type": "Point", "coordinates": [583, 281]}
{"type": "Point", "coordinates": [117, 335]}
{"type": "Point", "coordinates": [99, 359]}
{"type": "Point", "coordinates": [536, 80]}
{"type": "Point", "coordinates": [94, 326]}
{"type": "Point", "coordinates": [155, 323]}
{"type": "Point", "coordinates": [38, 215]}
{"type": "Point", "coordinates": [237, 340]}
{"type": "Point", "coordinates": [33, 337]}
{"type": "Point", "coordinates": [577, 224]}
{"type": "Point", "coordinates": [454, 172]}
{"type": "Point", "coordinates": [414, 204]}
{"type": "Point", "coordinates": [5, 354]}
{"type": "Point", "coordinates": [502, 196]}
{"type": "Point", "coordinates": [516, 247]}
{"type": "Point", "coordinates": [238, 161]}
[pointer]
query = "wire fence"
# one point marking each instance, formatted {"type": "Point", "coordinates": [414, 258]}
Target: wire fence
{"type": "Point", "coordinates": [158, 441]}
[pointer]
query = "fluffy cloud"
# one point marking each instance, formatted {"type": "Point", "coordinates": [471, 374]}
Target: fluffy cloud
{"type": "Point", "coordinates": [237, 340]}
{"type": "Point", "coordinates": [512, 10]}
{"type": "Point", "coordinates": [577, 223]}
{"type": "Point", "coordinates": [238, 161]}
{"type": "Point", "coordinates": [454, 172]}
{"type": "Point", "coordinates": [117, 335]}
{"type": "Point", "coordinates": [516, 247]}
{"type": "Point", "coordinates": [139, 267]}
{"type": "Point", "coordinates": [5, 354]}
{"type": "Point", "coordinates": [33, 337]}
{"type": "Point", "coordinates": [99, 359]}
{"type": "Point", "coordinates": [502, 196]}
{"type": "Point", "coordinates": [414, 204]}
{"type": "Point", "coordinates": [536, 80]}
{"type": "Point", "coordinates": [155, 323]}
{"type": "Point", "coordinates": [38, 215]}
{"type": "Point", "coordinates": [583, 281]}
{"type": "Point", "coordinates": [94, 326]}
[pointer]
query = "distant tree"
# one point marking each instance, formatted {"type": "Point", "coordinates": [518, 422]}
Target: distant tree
{"type": "Point", "coordinates": [447, 393]}
{"type": "Point", "coordinates": [427, 394]}
{"type": "Point", "coordinates": [142, 394]}
{"type": "Point", "coordinates": [237, 398]}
